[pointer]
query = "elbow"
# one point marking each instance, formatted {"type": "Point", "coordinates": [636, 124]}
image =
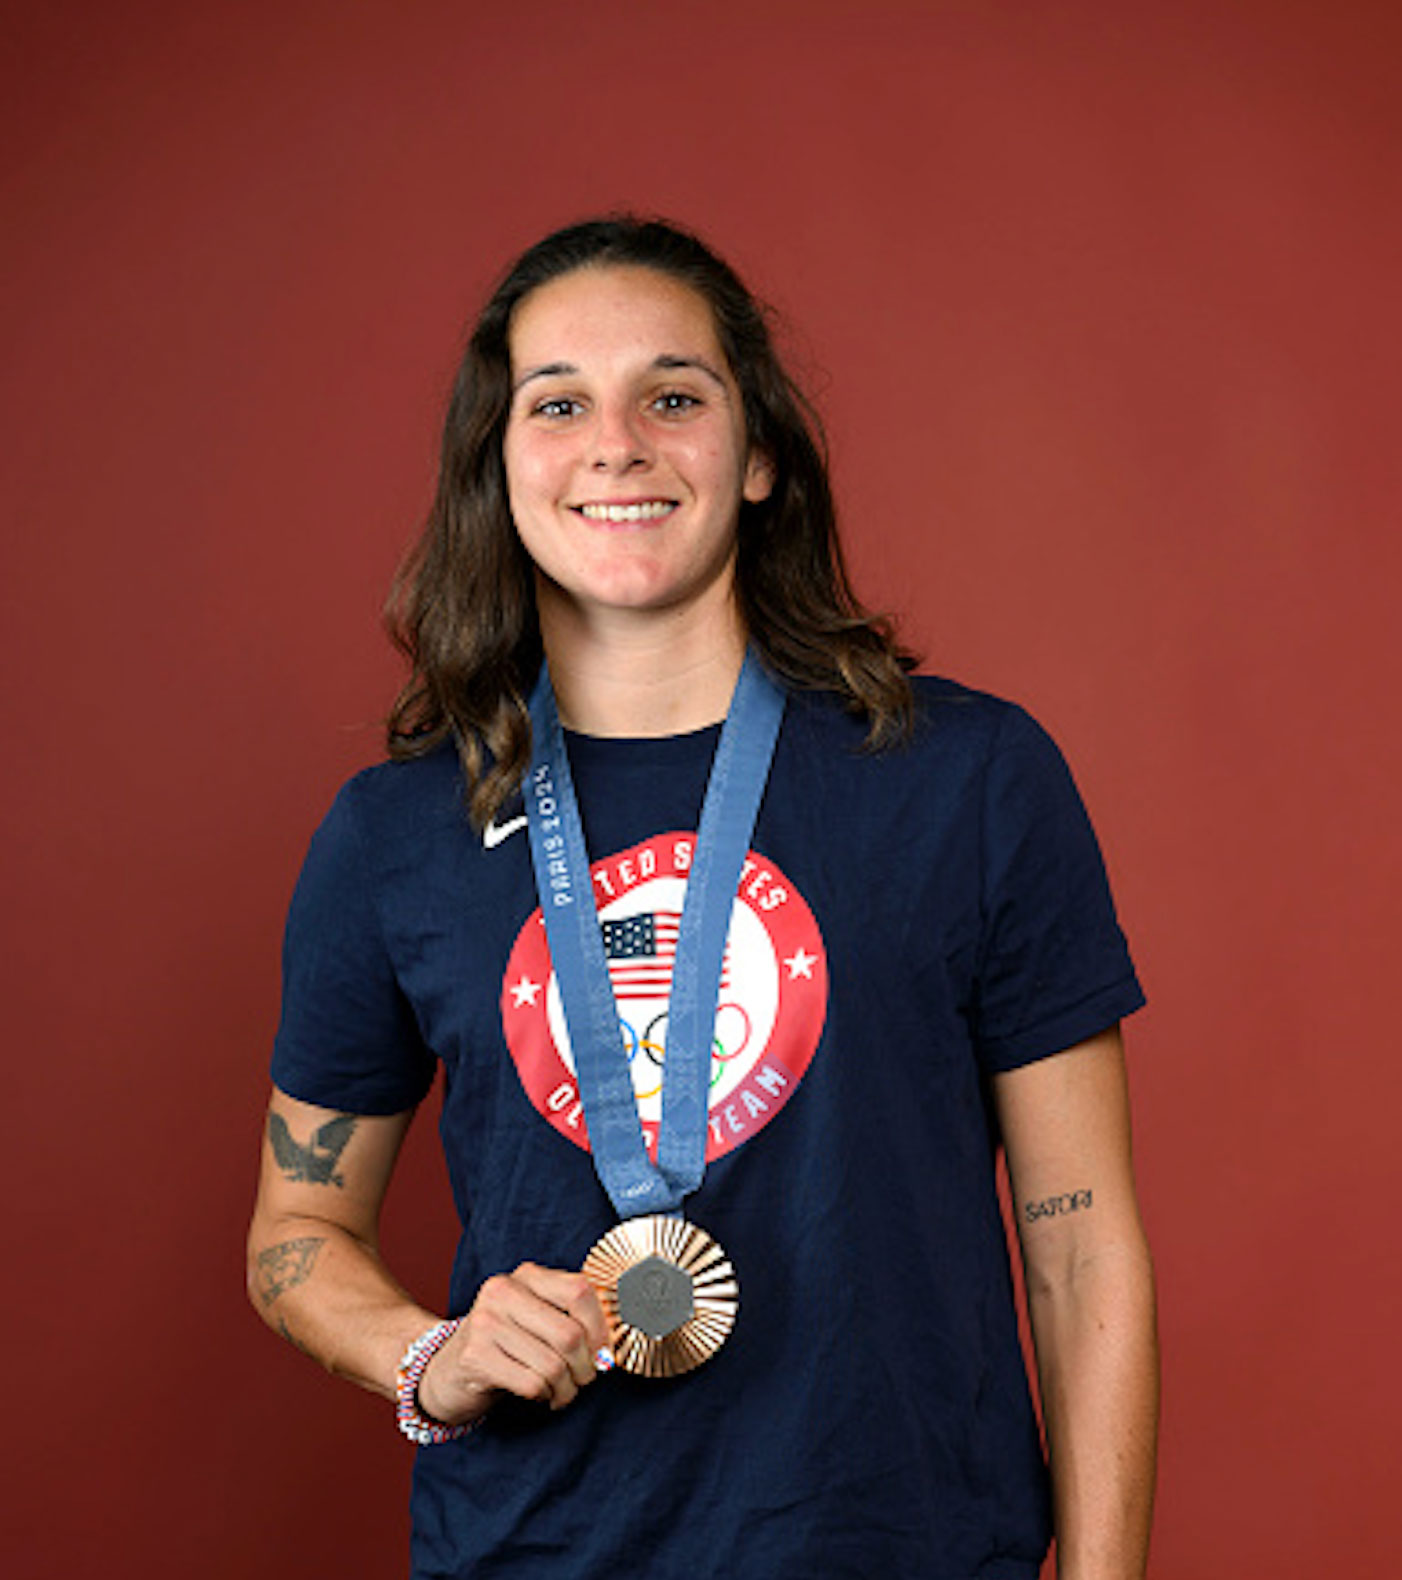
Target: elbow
{"type": "Point", "coordinates": [255, 1270]}
{"type": "Point", "coordinates": [1120, 1269]}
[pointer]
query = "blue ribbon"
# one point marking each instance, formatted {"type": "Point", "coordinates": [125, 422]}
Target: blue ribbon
{"type": "Point", "coordinates": [634, 1183]}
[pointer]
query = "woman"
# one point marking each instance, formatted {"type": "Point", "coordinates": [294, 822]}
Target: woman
{"type": "Point", "coordinates": [727, 1056]}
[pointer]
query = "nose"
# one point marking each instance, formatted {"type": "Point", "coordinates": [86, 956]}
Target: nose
{"type": "Point", "coordinates": [618, 442]}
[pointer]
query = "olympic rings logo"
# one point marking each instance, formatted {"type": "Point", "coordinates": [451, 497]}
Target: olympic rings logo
{"type": "Point", "coordinates": [732, 1037]}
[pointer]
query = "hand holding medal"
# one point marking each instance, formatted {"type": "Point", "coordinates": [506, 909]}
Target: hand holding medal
{"type": "Point", "coordinates": [535, 1333]}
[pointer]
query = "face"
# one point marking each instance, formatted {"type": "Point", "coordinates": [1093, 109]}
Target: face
{"type": "Point", "coordinates": [626, 458]}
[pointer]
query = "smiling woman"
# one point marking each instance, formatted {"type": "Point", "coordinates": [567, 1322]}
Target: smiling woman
{"type": "Point", "coordinates": [731, 1037]}
{"type": "Point", "coordinates": [681, 329]}
{"type": "Point", "coordinates": [627, 460]}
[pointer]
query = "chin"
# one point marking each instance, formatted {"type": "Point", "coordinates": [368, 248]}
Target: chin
{"type": "Point", "coordinates": [640, 586]}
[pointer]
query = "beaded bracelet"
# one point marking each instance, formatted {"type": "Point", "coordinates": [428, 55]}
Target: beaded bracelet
{"type": "Point", "coordinates": [415, 1425]}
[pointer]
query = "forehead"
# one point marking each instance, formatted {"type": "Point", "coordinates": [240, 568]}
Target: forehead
{"type": "Point", "coordinates": [612, 314]}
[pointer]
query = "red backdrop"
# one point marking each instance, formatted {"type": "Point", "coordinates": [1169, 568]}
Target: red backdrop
{"type": "Point", "coordinates": [1101, 303]}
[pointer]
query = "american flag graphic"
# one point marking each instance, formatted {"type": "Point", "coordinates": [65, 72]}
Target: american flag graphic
{"type": "Point", "coordinates": [640, 951]}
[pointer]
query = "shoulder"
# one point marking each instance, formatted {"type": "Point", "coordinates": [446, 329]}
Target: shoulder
{"type": "Point", "coordinates": [421, 786]}
{"type": "Point", "coordinates": [954, 723]}
{"type": "Point", "coordinates": [385, 807]}
{"type": "Point", "coordinates": [965, 746]}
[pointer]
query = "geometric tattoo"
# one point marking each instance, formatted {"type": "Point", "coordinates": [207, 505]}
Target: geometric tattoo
{"type": "Point", "coordinates": [283, 1267]}
{"type": "Point", "coordinates": [1059, 1206]}
{"type": "Point", "coordinates": [316, 1164]}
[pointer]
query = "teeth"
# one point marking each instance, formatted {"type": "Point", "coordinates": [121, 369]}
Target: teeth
{"type": "Point", "coordinates": [646, 510]}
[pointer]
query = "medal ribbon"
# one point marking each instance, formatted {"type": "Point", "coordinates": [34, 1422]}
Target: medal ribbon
{"type": "Point", "coordinates": [560, 857]}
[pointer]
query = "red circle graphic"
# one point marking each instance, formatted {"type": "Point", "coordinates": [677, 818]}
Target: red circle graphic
{"type": "Point", "coordinates": [773, 995]}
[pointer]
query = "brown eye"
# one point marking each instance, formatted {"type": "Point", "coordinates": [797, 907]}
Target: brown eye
{"type": "Point", "coordinates": [557, 406]}
{"type": "Point", "coordinates": [673, 403]}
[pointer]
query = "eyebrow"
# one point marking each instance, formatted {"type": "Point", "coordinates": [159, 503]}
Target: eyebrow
{"type": "Point", "coordinates": [668, 361]}
{"type": "Point", "coordinates": [698, 363]}
{"type": "Point", "coordinates": [547, 370]}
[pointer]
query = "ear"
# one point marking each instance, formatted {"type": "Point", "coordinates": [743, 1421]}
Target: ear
{"type": "Point", "coordinates": [759, 477]}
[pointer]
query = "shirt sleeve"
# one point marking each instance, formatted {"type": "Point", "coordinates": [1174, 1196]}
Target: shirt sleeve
{"type": "Point", "coordinates": [1054, 967]}
{"type": "Point", "coordinates": [347, 1038]}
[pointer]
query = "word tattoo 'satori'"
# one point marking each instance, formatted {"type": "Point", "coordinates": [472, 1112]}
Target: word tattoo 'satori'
{"type": "Point", "coordinates": [315, 1163]}
{"type": "Point", "coordinates": [1058, 1206]}
{"type": "Point", "coordinates": [283, 1267]}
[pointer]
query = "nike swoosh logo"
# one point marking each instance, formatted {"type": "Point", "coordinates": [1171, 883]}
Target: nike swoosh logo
{"type": "Point", "coordinates": [492, 836]}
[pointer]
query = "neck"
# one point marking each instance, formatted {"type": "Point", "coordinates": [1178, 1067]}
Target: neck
{"type": "Point", "coordinates": [661, 676]}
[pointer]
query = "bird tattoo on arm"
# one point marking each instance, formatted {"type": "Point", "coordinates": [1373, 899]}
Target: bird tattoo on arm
{"type": "Point", "coordinates": [315, 1163]}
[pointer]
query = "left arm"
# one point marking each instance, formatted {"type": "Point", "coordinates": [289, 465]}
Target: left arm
{"type": "Point", "coordinates": [1090, 1291]}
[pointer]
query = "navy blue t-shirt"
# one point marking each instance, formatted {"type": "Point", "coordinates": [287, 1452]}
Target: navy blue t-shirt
{"type": "Point", "coordinates": [910, 923]}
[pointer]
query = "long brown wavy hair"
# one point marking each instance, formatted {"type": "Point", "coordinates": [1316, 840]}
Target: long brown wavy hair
{"type": "Point", "coordinates": [462, 607]}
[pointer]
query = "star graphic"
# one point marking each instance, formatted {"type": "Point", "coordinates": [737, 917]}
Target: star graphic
{"type": "Point", "coordinates": [801, 964]}
{"type": "Point", "coordinates": [525, 992]}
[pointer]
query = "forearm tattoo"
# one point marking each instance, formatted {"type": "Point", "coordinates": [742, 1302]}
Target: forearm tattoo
{"type": "Point", "coordinates": [1058, 1206]}
{"type": "Point", "coordinates": [315, 1163]}
{"type": "Point", "coordinates": [291, 1337]}
{"type": "Point", "coordinates": [283, 1267]}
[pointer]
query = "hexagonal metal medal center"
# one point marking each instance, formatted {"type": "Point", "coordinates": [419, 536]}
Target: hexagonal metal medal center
{"type": "Point", "coordinates": [655, 1297]}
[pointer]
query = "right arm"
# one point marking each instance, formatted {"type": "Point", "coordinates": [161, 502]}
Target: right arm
{"type": "Point", "coordinates": [315, 1276]}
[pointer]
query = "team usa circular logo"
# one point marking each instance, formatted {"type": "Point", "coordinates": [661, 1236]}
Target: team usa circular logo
{"type": "Point", "coordinates": [769, 1014]}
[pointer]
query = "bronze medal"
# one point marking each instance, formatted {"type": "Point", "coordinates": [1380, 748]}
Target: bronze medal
{"type": "Point", "coordinates": [668, 1291]}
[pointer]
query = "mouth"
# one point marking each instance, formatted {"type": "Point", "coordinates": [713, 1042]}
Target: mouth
{"type": "Point", "coordinates": [626, 512]}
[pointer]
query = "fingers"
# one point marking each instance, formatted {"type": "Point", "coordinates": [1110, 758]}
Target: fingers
{"type": "Point", "coordinates": [573, 1295]}
{"type": "Point", "coordinates": [541, 1322]}
{"type": "Point", "coordinates": [534, 1333]}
